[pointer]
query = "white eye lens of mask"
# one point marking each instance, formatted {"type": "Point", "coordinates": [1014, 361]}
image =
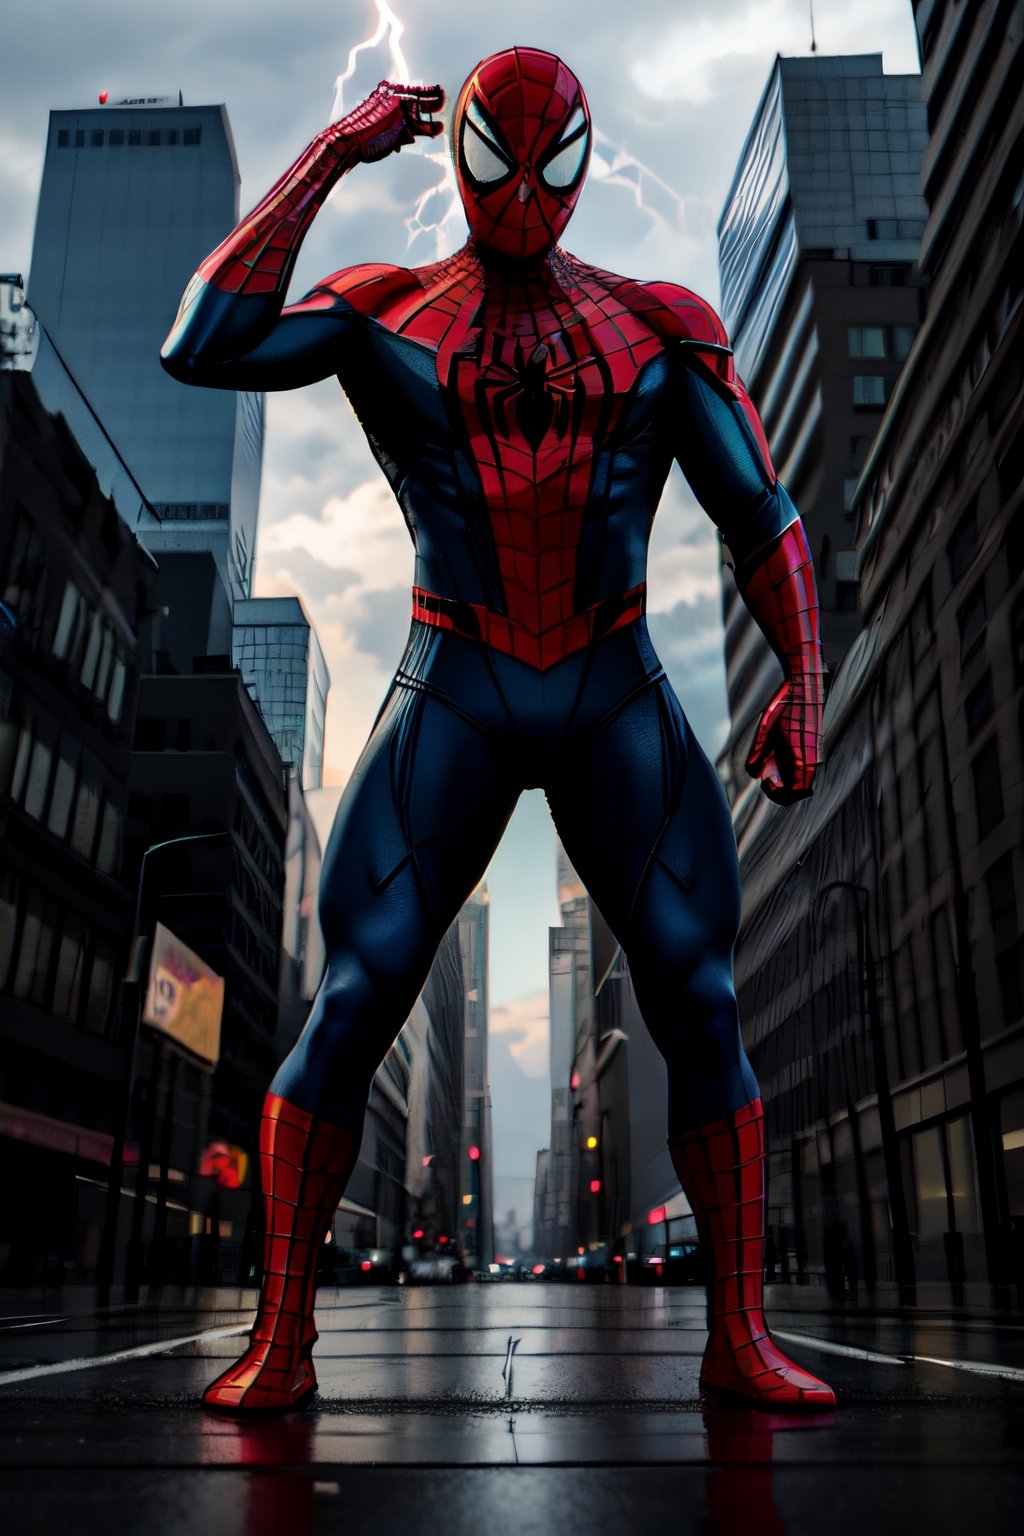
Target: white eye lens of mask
{"type": "Point", "coordinates": [563, 168]}
{"type": "Point", "coordinates": [484, 156]}
{"type": "Point", "coordinates": [485, 164]}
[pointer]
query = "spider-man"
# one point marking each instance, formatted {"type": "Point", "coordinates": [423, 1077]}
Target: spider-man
{"type": "Point", "coordinates": [525, 408]}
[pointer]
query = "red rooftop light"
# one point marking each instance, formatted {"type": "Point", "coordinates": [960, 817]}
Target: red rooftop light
{"type": "Point", "coordinates": [474, 1153]}
{"type": "Point", "coordinates": [655, 1216]}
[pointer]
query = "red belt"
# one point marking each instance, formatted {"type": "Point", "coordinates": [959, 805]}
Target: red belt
{"type": "Point", "coordinates": [544, 650]}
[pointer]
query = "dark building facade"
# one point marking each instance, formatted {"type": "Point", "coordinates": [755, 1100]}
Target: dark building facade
{"type": "Point", "coordinates": [880, 964]}
{"type": "Point", "coordinates": [207, 782]}
{"type": "Point", "coordinates": [818, 243]}
{"type": "Point", "coordinates": [75, 587]}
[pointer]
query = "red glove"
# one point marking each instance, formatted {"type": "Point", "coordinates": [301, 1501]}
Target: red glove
{"type": "Point", "coordinates": [778, 587]}
{"type": "Point", "coordinates": [259, 255]}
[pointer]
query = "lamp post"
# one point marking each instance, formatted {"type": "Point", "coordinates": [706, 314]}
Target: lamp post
{"type": "Point", "coordinates": [133, 988]}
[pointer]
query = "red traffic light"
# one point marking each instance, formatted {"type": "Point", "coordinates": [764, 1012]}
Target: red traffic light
{"type": "Point", "coordinates": [418, 1232]}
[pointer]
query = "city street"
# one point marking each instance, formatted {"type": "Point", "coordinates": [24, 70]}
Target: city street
{"type": "Point", "coordinates": [502, 1408]}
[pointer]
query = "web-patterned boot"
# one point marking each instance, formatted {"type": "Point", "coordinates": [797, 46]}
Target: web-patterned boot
{"type": "Point", "coordinates": [305, 1164]}
{"type": "Point", "coordinates": [721, 1169]}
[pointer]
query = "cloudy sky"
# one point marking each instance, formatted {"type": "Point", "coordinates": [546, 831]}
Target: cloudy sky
{"type": "Point", "coordinates": [672, 86]}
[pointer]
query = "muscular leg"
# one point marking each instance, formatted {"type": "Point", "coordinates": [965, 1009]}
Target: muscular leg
{"type": "Point", "coordinates": [644, 820]}
{"type": "Point", "coordinates": [416, 826]}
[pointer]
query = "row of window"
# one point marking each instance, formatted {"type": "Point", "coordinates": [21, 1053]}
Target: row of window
{"type": "Point", "coordinates": [62, 788]}
{"type": "Point", "coordinates": [134, 138]}
{"type": "Point", "coordinates": [192, 511]}
{"type": "Point", "coordinates": [85, 640]}
{"type": "Point", "coordinates": [50, 957]}
{"type": "Point", "coordinates": [880, 340]}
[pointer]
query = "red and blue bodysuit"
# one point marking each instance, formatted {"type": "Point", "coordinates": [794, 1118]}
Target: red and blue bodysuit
{"type": "Point", "coordinates": [526, 409]}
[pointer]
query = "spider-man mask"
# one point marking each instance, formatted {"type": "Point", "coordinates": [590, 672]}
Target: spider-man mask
{"type": "Point", "coordinates": [521, 138]}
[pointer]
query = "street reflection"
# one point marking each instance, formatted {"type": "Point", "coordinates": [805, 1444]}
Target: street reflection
{"type": "Point", "coordinates": [738, 1488]}
{"type": "Point", "coordinates": [281, 1489]}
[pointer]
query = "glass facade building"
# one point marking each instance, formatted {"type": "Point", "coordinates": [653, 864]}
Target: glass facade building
{"type": "Point", "coordinates": [880, 967]}
{"type": "Point", "coordinates": [132, 199]}
{"type": "Point", "coordinates": [282, 665]}
{"type": "Point", "coordinates": [817, 248]}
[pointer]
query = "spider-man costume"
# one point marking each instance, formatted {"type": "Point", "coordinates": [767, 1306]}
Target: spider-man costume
{"type": "Point", "coordinates": [526, 408]}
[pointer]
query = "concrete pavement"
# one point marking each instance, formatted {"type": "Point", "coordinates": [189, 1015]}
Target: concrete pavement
{"type": "Point", "coordinates": [426, 1422]}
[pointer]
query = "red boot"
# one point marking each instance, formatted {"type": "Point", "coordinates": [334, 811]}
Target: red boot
{"type": "Point", "coordinates": [305, 1164]}
{"type": "Point", "coordinates": [721, 1169]}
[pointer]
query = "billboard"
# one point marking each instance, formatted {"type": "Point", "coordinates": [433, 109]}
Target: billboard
{"type": "Point", "coordinates": [184, 997]}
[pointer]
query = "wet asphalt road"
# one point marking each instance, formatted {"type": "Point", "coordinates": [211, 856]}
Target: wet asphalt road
{"type": "Point", "coordinates": [420, 1427]}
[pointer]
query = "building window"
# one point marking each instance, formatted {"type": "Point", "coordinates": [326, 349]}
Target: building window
{"type": "Point", "coordinates": [62, 797]}
{"type": "Point", "coordinates": [38, 785]}
{"type": "Point", "coordinates": [893, 275]}
{"type": "Point", "coordinates": [191, 135]}
{"type": "Point", "coordinates": [870, 390]}
{"type": "Point", "coordinates": [988, 786]}
{"type": "Point", "coordinates": [116, 137]}
{"type": "Point", "coordinates": [973, 618]}
{"type": "Point", "coordinates": [63, 138]}
{"type": "Point", "coordinates": [67, 982]}
{"type": "Point", "coordinates": [96, 138]}
{"type": "Point", "coordinates": [171, 136]}
{"type": "Point", "coordinates": [135, 137]}
{"type": "Point", "coordinates": [867, 340]}
{"type": "Point", "coordinates": [1011, 1128]}
{"type": "Point", "coordinates": [79, 138]}
{"type": "Point", "coordinates": [979, 707]}
{"type": "Point", "coordinates": [902, 340]}
{"type": "Point", "coordinates": [153, 136]}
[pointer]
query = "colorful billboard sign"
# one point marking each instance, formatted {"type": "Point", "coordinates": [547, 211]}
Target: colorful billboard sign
{"type": "Point", "coordinates": [184, 997]}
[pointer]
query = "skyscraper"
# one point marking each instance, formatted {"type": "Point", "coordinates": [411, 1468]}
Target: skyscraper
{"type": "Point", "coordinates": [880, 968]}
{"type": "Point", "coordinates": [132, 197]}
{"type": "Point", "coordinates": [278, 654]}
{"type": "Point", "coordinates": [817, 248]}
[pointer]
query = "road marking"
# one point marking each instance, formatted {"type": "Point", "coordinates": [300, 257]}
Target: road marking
{"type": "Point", "coordinates": [827, 1347]}
{"type": "Point", "coordinates": [161, 1347]}
{"type": "Point", "coordinates": [979, 1367]}
{"type": "Point", "coordinates": [47, 1322]}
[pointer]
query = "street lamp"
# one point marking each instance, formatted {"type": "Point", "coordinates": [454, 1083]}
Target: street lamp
{"type": "Point", "coordinates": [133, 986]}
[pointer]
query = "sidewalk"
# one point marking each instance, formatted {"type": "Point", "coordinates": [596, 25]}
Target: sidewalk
{"type": "Point", "coordinates": [424, 1424]}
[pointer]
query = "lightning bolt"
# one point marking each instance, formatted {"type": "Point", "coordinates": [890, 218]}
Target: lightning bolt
{"type": "Point", "coordinates": [438, 217]}
{"type": "Point", "coordinates": [388, 26]}
{"type": "Point", "coordinates": [618, 168]}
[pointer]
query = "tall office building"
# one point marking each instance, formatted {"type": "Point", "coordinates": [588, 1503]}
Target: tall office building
{"type": "Point", "coordinates": [278, 654]}
{"type": "Point", "coordinates": [817, 245]}
{"type": "Point", "coordinates": [880, 967]}
{"type": "Point", "coordinates": [133, 196]}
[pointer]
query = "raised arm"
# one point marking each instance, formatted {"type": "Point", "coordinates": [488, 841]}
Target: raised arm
{"type": "Point", "coordinates": [232, 330]}
{"type": "Point", "coordinates": [721, 449]}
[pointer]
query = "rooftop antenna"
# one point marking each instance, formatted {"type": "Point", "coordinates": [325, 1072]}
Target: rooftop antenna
{"type": "Point", "coordinates": [814, 45]}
